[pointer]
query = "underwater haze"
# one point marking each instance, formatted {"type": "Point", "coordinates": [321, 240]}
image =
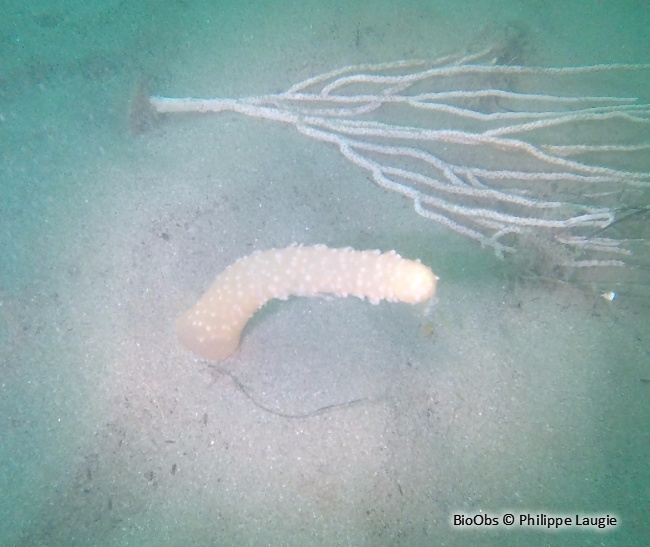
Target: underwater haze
{"type": "Point", "coordinates": [336, 421]}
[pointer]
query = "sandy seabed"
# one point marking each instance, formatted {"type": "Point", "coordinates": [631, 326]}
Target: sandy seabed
{"type": "Point", "coordinates": [511, 394]}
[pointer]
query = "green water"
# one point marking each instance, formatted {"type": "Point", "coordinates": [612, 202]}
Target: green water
{"type": "Point", "coordinates": [514, 394]}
